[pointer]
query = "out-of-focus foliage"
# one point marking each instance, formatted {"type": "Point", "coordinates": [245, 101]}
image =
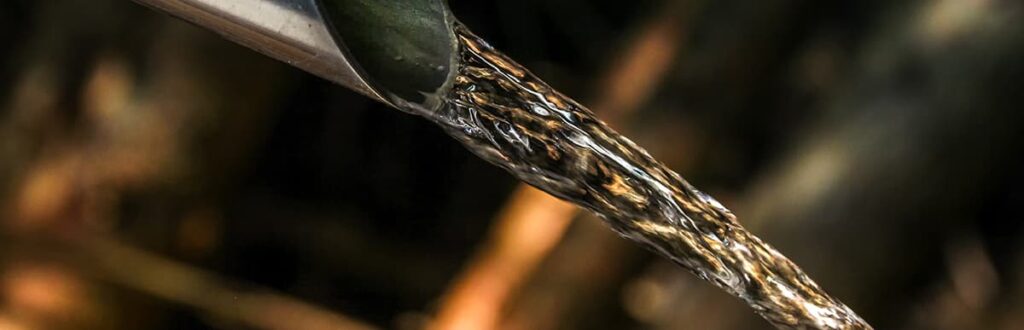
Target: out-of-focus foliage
{"type": "Point", "coordinates": [153, 175]}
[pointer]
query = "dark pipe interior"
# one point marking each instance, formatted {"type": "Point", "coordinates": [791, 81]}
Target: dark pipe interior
{"type": "Point", "coordinates": [404, 47]}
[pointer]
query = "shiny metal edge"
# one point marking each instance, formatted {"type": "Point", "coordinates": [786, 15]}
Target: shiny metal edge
{"type": "Point", "coordinates": [292, 31]}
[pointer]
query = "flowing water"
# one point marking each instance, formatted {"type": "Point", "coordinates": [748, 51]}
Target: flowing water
{"type": "Point", "coordinates": [507, 116]}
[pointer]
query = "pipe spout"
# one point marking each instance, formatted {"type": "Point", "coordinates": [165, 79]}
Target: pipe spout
{"type": "Point", "coordinates": [326, 37]}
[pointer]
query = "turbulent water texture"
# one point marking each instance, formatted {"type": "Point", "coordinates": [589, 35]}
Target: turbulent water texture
{"type": "Point", "coordinates": [507, 116]}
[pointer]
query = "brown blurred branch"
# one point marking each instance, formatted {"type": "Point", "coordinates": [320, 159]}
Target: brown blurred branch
{"type": "Point", "coordinates": [106, 260]}
{"type": "Point", "coordinates": [209, 293]}
{"type": "Point", "coordinates": [87, 131]}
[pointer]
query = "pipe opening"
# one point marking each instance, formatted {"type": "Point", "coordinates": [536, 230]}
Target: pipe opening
{"type": "Point", "coordinates": [404, 49]}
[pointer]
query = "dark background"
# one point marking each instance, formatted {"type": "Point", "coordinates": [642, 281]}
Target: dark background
{"type": "Point", "coordinates": [153, 175]}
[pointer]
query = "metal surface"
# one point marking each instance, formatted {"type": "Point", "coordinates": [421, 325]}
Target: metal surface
{"type": "Point", "coordinates": [292, 31]}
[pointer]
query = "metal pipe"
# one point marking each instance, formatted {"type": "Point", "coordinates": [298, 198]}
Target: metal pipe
{"type": "Point", "coordinates": [292, 31]}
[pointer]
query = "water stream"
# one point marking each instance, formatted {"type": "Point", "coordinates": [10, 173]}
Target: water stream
{"type": "Point", "coordinates": [509, 117]}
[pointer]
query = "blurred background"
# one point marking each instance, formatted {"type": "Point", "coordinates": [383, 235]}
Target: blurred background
{"type": "Point", "coordinates": [155, 176]}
